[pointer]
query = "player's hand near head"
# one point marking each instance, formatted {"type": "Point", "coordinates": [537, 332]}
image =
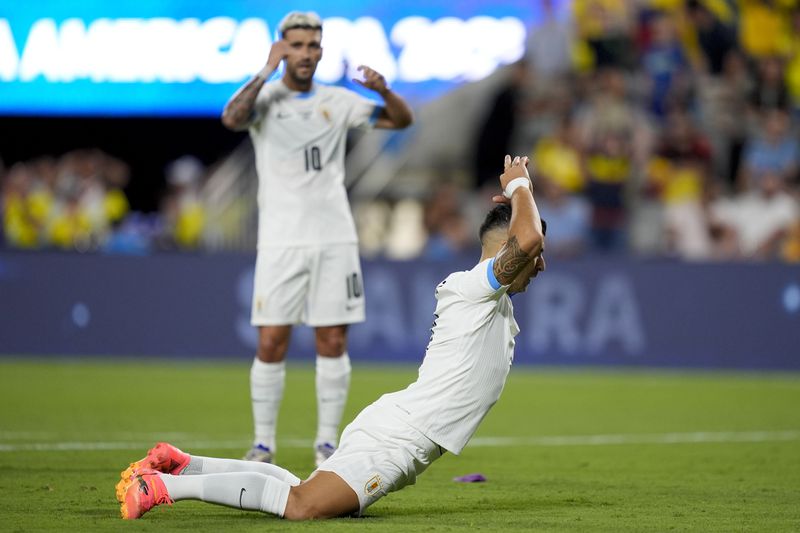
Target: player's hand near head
{"type": "Point", "coordinates": [512, 169]}
{"type": "Point", "coordinates": [373, 80]}
{"type": "Point", "coordinates": [519, 255]}
{"type": "Point", "coordinates": [277, 53]}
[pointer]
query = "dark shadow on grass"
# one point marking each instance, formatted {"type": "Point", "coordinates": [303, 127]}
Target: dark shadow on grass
{"type": "Point", "coordinates": [255, 515]}
{"type": "Point", "coordinates": [484, 506]}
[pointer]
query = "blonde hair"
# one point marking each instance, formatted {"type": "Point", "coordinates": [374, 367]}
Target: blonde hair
{"type": "Point", "coordinates": [298, 19]}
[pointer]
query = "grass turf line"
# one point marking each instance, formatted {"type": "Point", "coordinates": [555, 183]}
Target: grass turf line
{"type": "Point", "coordinates": [707, 486]}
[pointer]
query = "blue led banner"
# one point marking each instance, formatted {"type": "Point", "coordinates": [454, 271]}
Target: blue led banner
{"type": "Point", "coordinates": [182, 57]}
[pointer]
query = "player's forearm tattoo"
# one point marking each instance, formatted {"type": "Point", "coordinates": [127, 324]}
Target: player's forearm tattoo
{"type": "Point", "coordinates": [239, 109]}
{"type": "Point", "coordinates": [510, 260]}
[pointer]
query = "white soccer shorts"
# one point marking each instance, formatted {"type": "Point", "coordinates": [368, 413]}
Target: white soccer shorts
{"type": "Point", "coordinates": [379, 453]}
{"type": "Point", "coordinates": [313, 285]}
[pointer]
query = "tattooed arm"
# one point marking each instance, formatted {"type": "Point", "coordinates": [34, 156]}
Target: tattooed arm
{"type": "Point", "coordinates": [240, 109]}
{"type": "Point", "coordinates": [525, 238]}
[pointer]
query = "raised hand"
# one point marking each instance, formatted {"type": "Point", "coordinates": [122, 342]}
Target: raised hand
{"type": "Point", "coordinates": [277, 53]}
{"type": "Point", "coordinates": [373, 80]}
{"type": "Point", "coordinates": [512, 169]}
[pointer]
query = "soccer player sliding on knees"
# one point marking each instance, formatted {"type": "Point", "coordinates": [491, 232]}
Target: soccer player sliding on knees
{"type": "Point", "coordinates": [397, 437]}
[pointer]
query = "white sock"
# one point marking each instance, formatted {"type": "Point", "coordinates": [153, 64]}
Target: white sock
{"type": "Point", "coordinates": [266, 393]}
{"type": "Point", "coordinates": [275, 497]}
{"type": "Point", "coordinates": [242, 490]}
{"type": "Point", "coordinates": [214, 465]}
{"type": "Point", "coordinates": [333, 381]}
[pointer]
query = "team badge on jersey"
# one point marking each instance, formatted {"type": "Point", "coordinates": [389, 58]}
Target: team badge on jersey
{"type": "Point", "coordinates": [373, 485]}
{"type": "Point", "coordinates": [326, 114]}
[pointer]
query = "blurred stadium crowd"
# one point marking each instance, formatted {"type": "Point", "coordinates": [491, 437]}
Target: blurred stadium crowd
{"type": "Point", "coordinates": [665, 128]}
{"type": "Point", "coordinates": [77, 202]}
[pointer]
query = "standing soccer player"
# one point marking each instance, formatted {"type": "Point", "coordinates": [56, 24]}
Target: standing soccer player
{"type": "Point", "coordinates": [396, 438]}
{"type": "Point", "coordinates": [307, 267]}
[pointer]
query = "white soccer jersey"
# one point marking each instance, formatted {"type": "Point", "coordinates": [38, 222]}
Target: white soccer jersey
{"type": "Point", "coordinates": [299, 141]}
{"type": "Point", "coordinates": [467, 360]}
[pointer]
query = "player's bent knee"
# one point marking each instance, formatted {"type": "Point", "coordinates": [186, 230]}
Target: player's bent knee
{"type": "Point", "coordinates": [323, 496]}
{"type": "Point", "coordinates": [299, 507]}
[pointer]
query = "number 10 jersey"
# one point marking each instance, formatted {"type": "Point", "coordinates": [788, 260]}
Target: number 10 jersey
{"type": "Point", "coordinates": [299, 142]}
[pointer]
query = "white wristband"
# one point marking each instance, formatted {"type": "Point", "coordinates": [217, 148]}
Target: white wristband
{"type": "Point", "coordinates": [515, 184]}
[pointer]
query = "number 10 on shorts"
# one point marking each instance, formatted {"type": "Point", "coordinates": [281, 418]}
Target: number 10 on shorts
{"type": "Point", "coordinates": [354, 289]}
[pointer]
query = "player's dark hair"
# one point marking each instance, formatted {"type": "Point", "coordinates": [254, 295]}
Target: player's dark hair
{"type": "Point", "coordinates": [500, 217]}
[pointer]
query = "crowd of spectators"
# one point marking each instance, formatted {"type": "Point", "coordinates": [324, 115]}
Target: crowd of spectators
{"type": "Point", "coordinates": [656, 127]}
{"type": "Point", "coordinates": [69, 203]}
{"type": "Point", "coordinates": [77, 202]}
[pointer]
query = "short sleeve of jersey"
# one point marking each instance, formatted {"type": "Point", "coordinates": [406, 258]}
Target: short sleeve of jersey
{"type": "Point", "coordinates": [268, 93]}
{"type": "Point", "coordinates": [480, 283]}
{"type": "Point", "coordinates": [362, 112]}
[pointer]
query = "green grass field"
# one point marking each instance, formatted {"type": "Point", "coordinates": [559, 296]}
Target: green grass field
{"type": "Point", "coordinates": [583, 450]}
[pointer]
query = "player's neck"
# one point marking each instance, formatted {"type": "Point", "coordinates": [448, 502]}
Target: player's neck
{"type": "Point", "coordinates": [491, 246]}
{"type": "Point", "coordinates": [295, 85]}
{"type": "Point", "coordinates": [488, 253]}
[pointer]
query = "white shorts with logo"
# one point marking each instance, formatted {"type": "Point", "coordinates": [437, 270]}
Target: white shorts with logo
{"type": "Point", "coordinates": [313, 285]}
{"type": "Point", "coordinates": [379, 453]}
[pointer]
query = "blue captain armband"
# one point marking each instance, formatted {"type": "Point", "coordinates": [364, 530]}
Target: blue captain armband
{"type": "Point", "coordinates": [490, 275]}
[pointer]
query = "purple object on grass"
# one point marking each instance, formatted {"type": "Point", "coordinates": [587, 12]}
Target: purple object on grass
{"type": "Point", "coordinates": [470, 478]}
